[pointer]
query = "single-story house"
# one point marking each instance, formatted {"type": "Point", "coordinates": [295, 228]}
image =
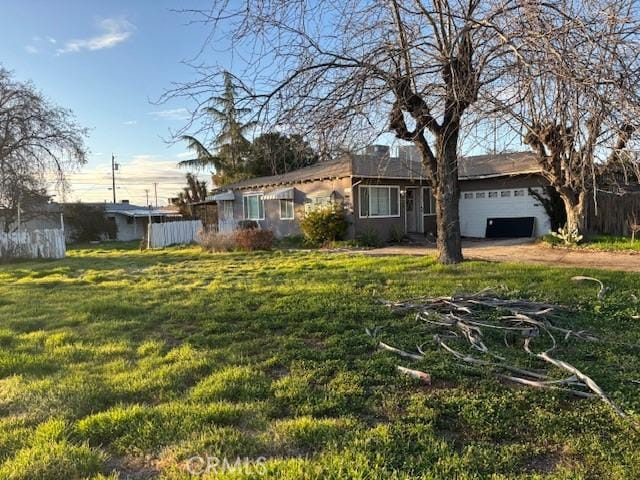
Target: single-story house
{"type": "Point", "coordinates": [388, 195]}
{"type": "Point", "coordinates": [132, 220]}
{"type": "Point", "coordinates": [47, 217]}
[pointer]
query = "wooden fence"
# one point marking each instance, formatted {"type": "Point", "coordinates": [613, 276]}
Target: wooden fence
{"type": "Point", "coordinates": [33, 244]}
{"type": "Point", "coordinates": [613, 213]}
{"type": "Point", "coordinates": [173, 233]}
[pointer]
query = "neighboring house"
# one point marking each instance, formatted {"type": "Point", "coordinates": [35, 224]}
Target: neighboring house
{"type": "Point", "coordinates": [132, 220]}
{"type": "Point", "coordinates": [390, 195]}
{"type": "Point", "coordinates": [47, 217]}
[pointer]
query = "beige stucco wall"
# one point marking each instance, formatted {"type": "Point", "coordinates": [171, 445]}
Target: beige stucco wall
{"type": "Point", "coordinates": [346, 191]}
{"type": "Point", "coordinates": [303, 191]}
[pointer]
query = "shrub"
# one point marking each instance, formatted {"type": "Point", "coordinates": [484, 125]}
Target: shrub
{"type": "Point", "coordinates": [567, 235]}
{"type": "Point", "coordinates": [369, 238]}
{"type": "Point", "coordinates": [396, 234]}
{"type": "Point", "coordinates": [324, 224]}
{"type": "Point", "coordinates": [247, 225]}
{"type": "Point", "coordinates": [88, 223]}
{"type": "Point", "coordinates": [217, 242]}
{"type": "Point", "coordinates": [253, 239]}
{"type": "Point", "coordinates": [248, 239]}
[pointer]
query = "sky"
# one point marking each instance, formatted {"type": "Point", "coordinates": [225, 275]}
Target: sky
{"type": "Point", "coordinates": [109, 61]}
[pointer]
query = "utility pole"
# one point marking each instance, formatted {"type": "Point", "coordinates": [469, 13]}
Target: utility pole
{"type": "Point", "coordinates": [114, 167]}
{"type": "Point", "coordinates": [146, 190]}
{"type": "Point", "coordinates": [155, 191]}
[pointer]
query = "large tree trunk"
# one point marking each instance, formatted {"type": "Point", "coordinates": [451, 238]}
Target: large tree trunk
{"type": "Point", "coordinates": [447, 196]}
{"type": "Point", "coordinates": [574, 204]}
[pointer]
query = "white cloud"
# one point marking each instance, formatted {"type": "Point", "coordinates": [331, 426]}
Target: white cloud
{"type": "Point", "coordinates": [172, 114]}
{"type": "Point", "coordinates": [114, 32]}
{"type": "Point", "coordinates": [31, 49]}
{"type": "Point", "coordinates": [185, 155]}
{"type": "Point", "coordinates": [130, 122]}
{"type": "Point", "coordinates": [52, 40]}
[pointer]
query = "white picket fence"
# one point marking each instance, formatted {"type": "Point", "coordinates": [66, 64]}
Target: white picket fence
{"type": "Point", "coordinates": [173, 233]}
{"type": "Point", "coordinates": [33, 244]}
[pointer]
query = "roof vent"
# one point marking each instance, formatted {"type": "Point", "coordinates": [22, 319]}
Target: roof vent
{"type": "Point", "coordinates": [377, 150]}
{"type": "Point", "coordinates": [126, 202]}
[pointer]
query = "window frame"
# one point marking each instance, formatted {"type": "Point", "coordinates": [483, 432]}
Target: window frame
{"type": "Point", "coordinates": [432, 205]}
{"type": "Point", "coordinates": [282, 201]}
{"type": "Point", "coordinates": [369, 187]}
{"type": "Point", "coordinates": [227, 209]}
{"type": "Point", "coordinates": [260, 195]}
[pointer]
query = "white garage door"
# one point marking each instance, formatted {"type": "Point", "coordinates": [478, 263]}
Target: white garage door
{"type": "Point", "coordinates": [477, 206]}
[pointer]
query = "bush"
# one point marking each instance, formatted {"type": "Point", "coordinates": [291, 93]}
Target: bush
{"type": "Point", "coordinates": [217, 242]}
{"type": "Point", "coordinates": [247, 225]}
{"type": "Point", "coordinates": [88, 223]}
{"type": "Point", "coordinates": [253, 239]}
{"type": "Point", "coordinates": [396, 234]}
{"type": "Point", "coordinates": [245, 239]}
{"type": "Point", "coordinates": [324, 224]}
{"type": "Point", "coordinates": [369, 238]}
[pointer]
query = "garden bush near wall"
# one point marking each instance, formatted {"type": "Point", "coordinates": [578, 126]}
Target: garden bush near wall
{"type": "Point", "coordinates": [324, 224]}
{"type": "Point", "coordinates": [217, 242]}
{"type": "Point", "coordinates": [254, 239]}
{"type": "Point", "coordinates": [245, 239]}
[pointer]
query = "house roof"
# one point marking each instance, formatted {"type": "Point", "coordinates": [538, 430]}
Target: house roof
{"type": "Point", "coordinates": [130, 210]}
{"type": "Point", "coordinates": [377, 166]}
{"type": "Point", "coordinates": [330, 169]}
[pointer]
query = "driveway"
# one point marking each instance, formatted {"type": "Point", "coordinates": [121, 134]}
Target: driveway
{"type": "Point", "coordinates": [526, 251]}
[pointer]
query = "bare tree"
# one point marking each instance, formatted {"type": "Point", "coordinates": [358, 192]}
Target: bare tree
{"type": "Point", "coordinates": [352, 69]}
{"type": "Point", "coordinates": [39, 142]}
{"type": "Point", "coordinates": [571, 87]}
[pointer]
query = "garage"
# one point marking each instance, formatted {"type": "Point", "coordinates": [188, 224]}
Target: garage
{"type": "Point", "coordinates": [515, 204]}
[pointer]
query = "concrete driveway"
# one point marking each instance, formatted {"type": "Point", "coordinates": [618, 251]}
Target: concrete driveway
{"type": "Point", "coordinates": [526, 251]}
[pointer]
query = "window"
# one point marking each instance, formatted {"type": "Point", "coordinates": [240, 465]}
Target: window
{"type": "Point", "coordinates": [428, 202]}
{"type": "Point", "coordinates": [505, 193]}
{"type": "Point", "coordinates": [253, 206]}
{"type": "Point", "coordinates": [480, 195]}
{"type": "Point", "coordinates": [493, 194]}
{"type": "Point", "coordinates": [379, 201]}
{"type": "Point", "coordinates": [319, 201]}
{"type": "Point", "coordinates": [518, 193]}
{"type": "Point", "coordinates": [227, 210]}
{"type": "Point", "coordinates": [286, 209]}
{"type": "Point", "coordinates": [468, 195]}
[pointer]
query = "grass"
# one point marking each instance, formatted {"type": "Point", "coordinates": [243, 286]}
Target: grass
{"type": "Point", "coordinates": [613, 244]}
{"type": "Point", "coordinates": [605, 243]}
{"type": "Point", "coordinates": [116, 362]}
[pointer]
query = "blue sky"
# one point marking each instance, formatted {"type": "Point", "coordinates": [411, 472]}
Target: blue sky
{"type": "Point", "coordinates": [106, 60]}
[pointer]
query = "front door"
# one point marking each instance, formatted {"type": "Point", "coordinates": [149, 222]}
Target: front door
{"type": "Point", "coordinates": [412, 210]}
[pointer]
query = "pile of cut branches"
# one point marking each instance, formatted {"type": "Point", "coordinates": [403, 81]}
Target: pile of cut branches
{"type": "Point", "coordinates": [467, 320]}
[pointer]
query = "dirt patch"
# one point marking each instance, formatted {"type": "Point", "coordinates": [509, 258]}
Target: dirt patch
{"type": "Point", "coordinates": [531, 253]}
{"type": "Point", "coordinates": [133, 468]}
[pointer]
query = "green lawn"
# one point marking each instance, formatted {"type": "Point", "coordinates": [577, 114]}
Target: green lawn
{"type": "Point", "coordinates": [606, 243]}
{"type": "Point", "coordinates": [121, 362]}
{"type": "Point", "coordinates": [614, 244]}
